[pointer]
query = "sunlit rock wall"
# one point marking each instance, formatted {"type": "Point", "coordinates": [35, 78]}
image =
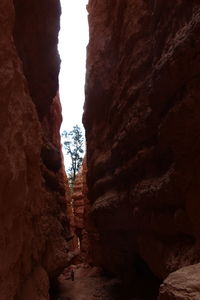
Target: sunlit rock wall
{"type": "Point", "coordinates": [142, 126]}
{"type": "Point", "coordinates": [33, 224]}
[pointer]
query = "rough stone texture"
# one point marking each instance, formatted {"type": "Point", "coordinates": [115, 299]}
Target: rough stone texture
{"type": "Point", "coordinates": [70, 216]}
{"type": "Point", "coordinates": [81, 207]}
{"type": "Point", "coordinates": [78, 202]}
{"type": "Point", "coordinates": [36, 35]}
{"type": "Point", "coordinates": [182, 284]}
{"type": "Point", "coordinates": [33, 224]}
{"type": "Point", "coordinates": [142, 126]}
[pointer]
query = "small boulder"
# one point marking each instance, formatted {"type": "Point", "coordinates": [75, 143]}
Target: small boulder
{"type": "Point", "coordinates": [183, 284]}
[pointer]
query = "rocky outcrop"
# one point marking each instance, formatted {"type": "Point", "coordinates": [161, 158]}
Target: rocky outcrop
{"type": "Point", "coordinates": [182, 284]}
{"type": "Point", "coordinates": [142, 128]}
{"type": "Point", "coordinates": [33, 224]}
{"type": "Point", "coordinates": [80, 204]}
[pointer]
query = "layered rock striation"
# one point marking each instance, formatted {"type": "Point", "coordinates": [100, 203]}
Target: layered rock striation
{"type": "Point", "coordinates": [141, 218]}
{"type": "Point", "coordinates": [33, 224]}
{"type": "Point", "coordinates": [142, 127]}
{"type": "Point", "coordinates": [80, 221]}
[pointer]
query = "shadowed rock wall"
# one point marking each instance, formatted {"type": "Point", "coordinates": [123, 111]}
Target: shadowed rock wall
{"type": "Point", "coordinates": [33, 224]}
{"type": "Point", "coordinates": [142, 126]}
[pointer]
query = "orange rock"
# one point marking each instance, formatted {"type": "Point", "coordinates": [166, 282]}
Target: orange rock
{"type": "Point", "coordinates": [33, 223]}
{"type": "Point", "coordinates": [142, 123]}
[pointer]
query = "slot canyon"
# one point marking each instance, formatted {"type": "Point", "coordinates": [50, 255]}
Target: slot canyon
{"type": "Point", "coordinates": [130, 230]}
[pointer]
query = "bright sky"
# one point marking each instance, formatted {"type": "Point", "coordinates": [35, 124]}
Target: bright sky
{"type": "Point", "coordinates": [73, 39]}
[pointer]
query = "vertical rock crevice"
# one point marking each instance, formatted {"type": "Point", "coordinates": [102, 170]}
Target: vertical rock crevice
{"type": "Point", "coordinates": [141, 218]}
{"type": "Point", "coordinates": [81, 225]}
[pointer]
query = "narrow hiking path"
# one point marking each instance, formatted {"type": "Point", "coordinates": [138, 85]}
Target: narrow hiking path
{"type": "Point", "coordinates": [89, 284]}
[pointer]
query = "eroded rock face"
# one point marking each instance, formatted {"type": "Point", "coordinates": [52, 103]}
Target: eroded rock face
{"type": "Point", "coordinates": [33, 224]}
{"type": "Point", "coordinates": [81, 206]}
{"type": "Point", "coordinates": [36, 35]}
{"type": "Point", "coordinates": [142, 126]}
{"type": "Point", "coordinates": [182, 284]}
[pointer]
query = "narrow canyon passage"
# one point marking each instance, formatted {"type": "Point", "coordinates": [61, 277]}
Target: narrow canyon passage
{"type": "Point", "coordinates": [136, 200]}
{"type": "Point", "coordinates": [82, 279]}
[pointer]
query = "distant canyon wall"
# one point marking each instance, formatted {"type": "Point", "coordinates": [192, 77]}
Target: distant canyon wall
{"type": "Point", "coordinates": [82, 227]}
{"type": "Point", "coordinates": [142, 127]}
{"type": "Point", "coordinates": [34, 227]}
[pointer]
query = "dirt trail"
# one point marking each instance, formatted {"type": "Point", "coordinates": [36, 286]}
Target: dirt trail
{"type": "Point", "coordinates": [89, 284]}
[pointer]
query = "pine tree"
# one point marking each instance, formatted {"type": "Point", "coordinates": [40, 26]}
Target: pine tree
{"type": "Point", "coordinates": [73, 145]}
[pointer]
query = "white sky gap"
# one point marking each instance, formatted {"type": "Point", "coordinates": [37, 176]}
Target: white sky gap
{"type": "Point", "coordinates": [73, 39]}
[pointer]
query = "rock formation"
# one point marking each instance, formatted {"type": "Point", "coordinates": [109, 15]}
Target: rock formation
{"type": "Point", "coordinates": [33, 248]}
{"type": "Point", "coordinates": [141, 219]}
{"type": "Point", "coordinates": [182, 284]}
{"type": "Point", "coordinates": [81, 208]}
{"type": "Point", "coordinates": [142, 127]}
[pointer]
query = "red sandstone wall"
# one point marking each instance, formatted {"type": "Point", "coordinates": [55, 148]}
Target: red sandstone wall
{"type": "Point", "coordinates": [142, 126]}
{"type": "Point", "coordinates": [80, 225]}
{"type": "Point", "coordinates": [33, 224]}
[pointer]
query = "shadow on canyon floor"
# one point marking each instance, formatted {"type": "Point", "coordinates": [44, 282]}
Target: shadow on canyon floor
{"type": "Point", "coordinates": [91, 283]}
